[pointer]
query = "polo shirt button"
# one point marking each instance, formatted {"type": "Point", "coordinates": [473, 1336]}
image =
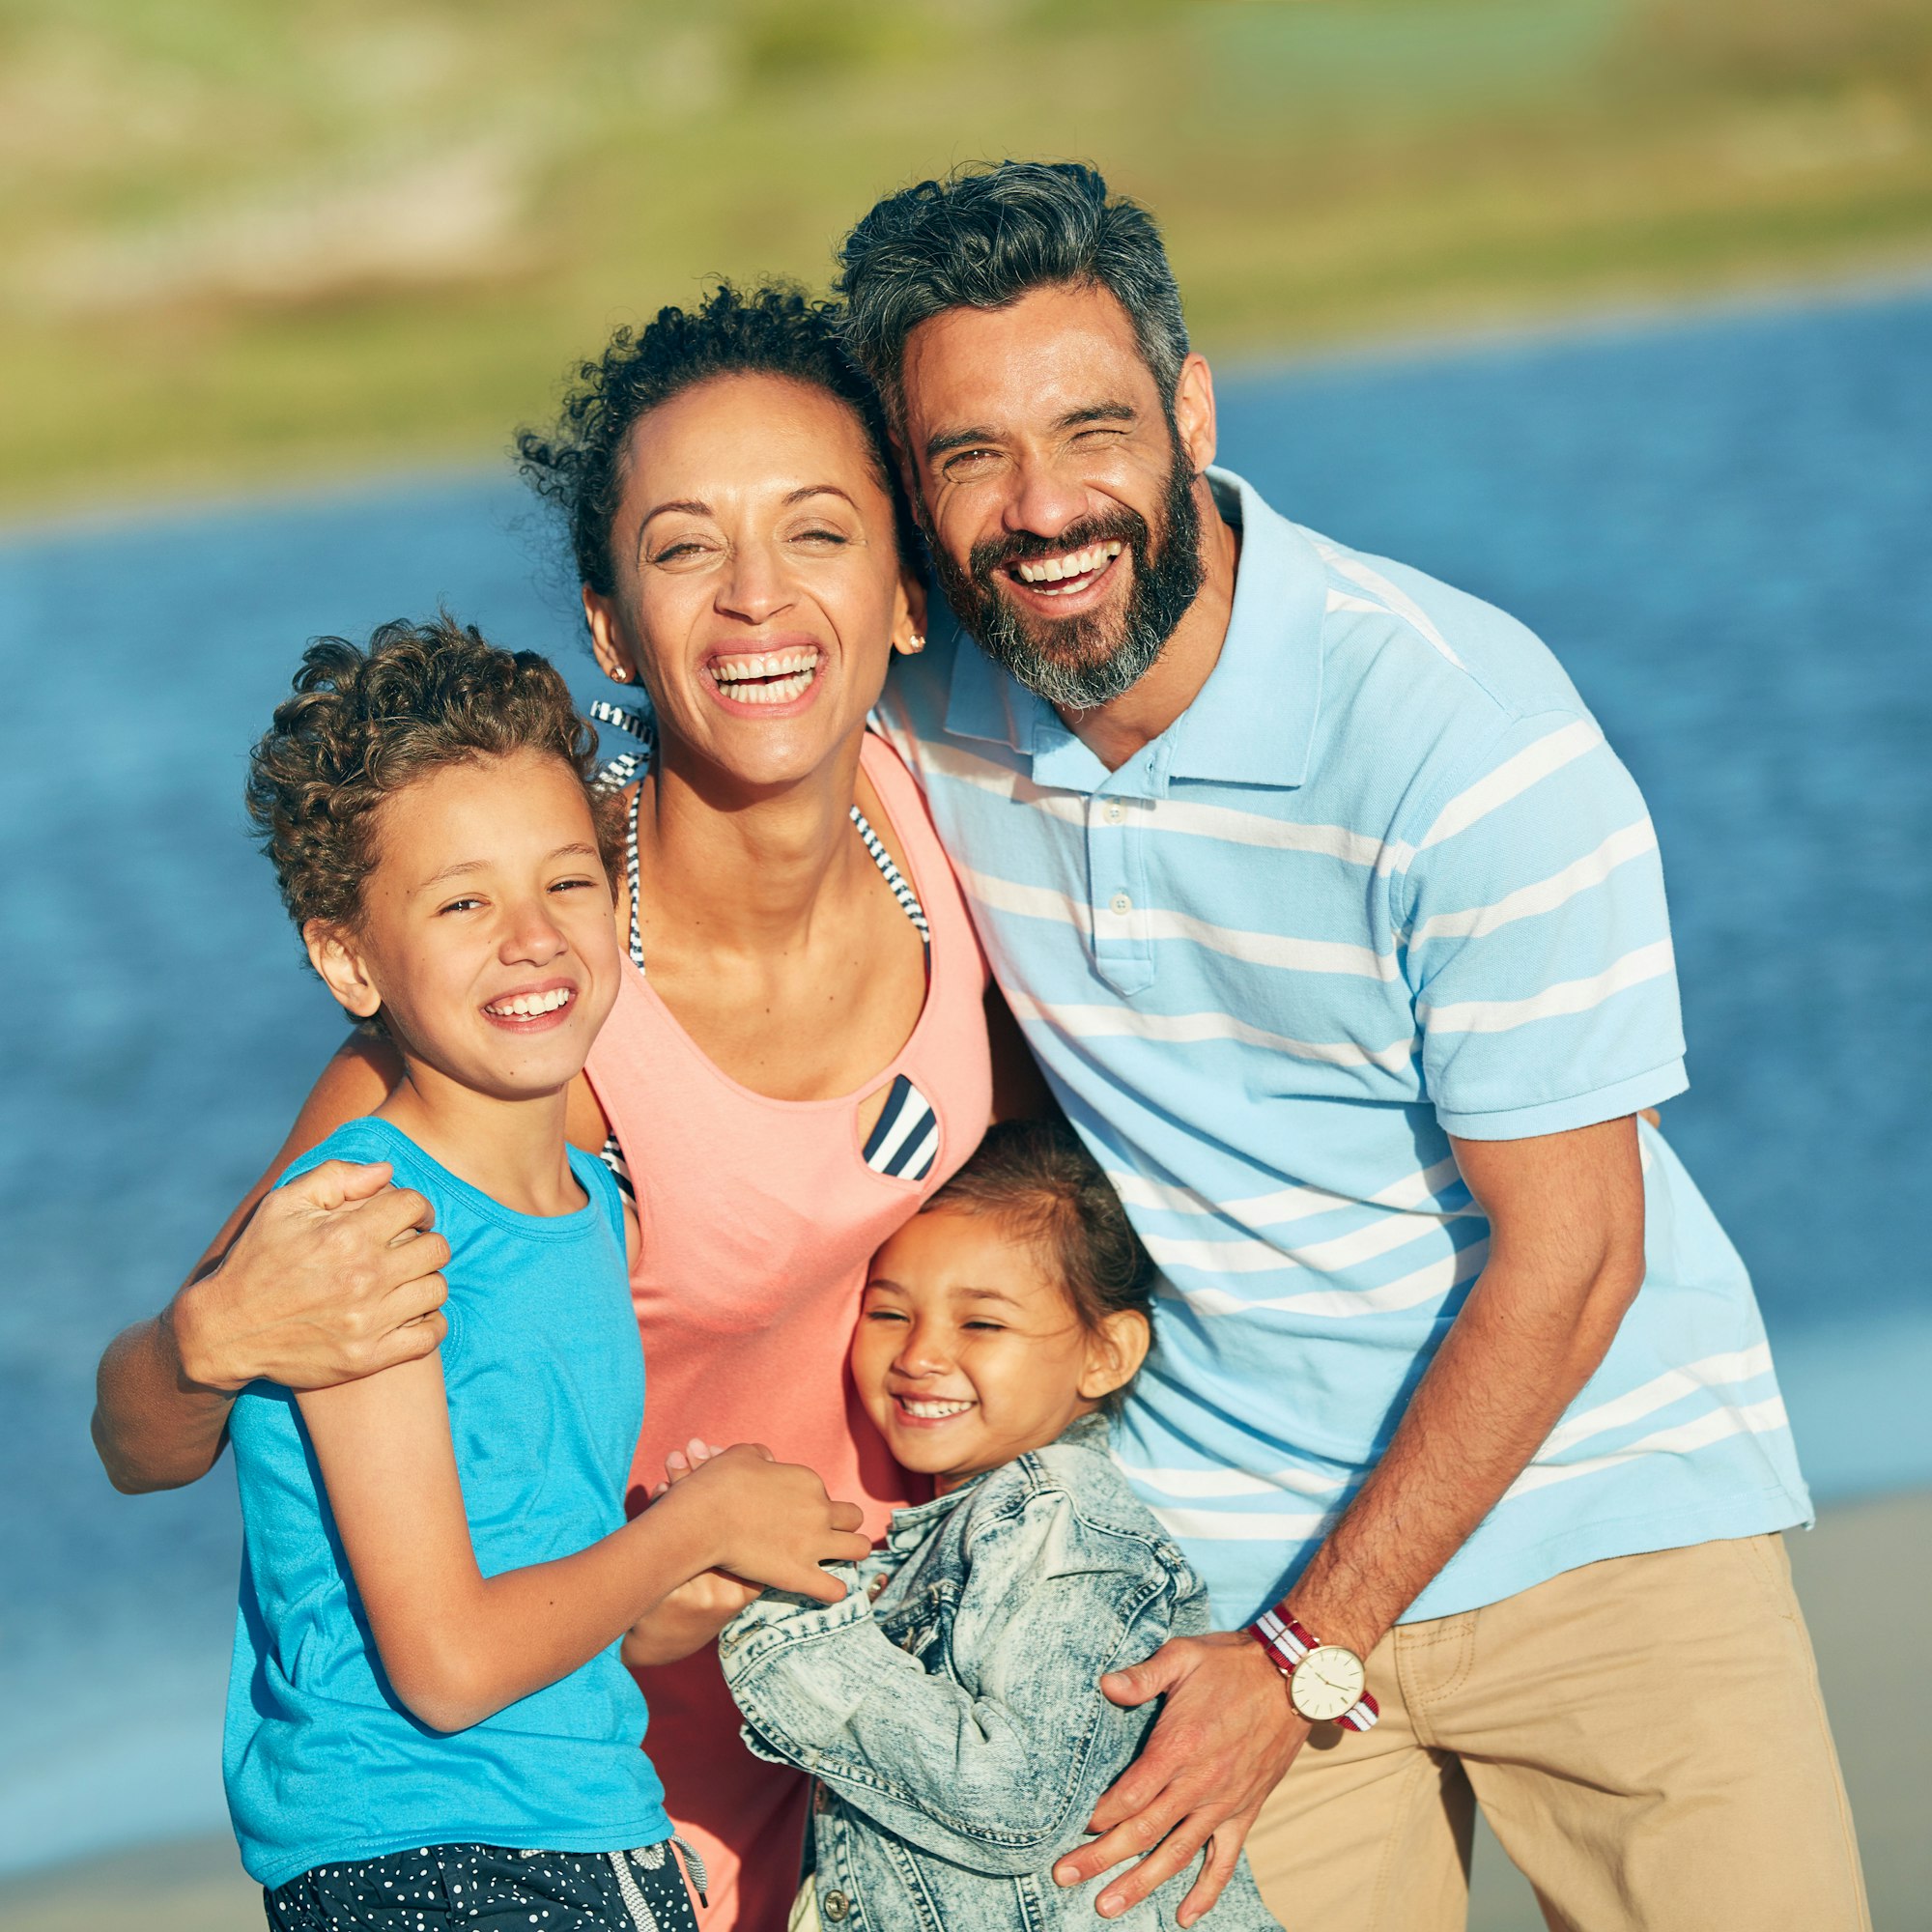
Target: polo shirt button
{"type": "Point", "coordinates": [1116, 811]}
{"type": "Point", "coordinates": [835, 1905]}
{"type": "Point", "coordinates": [1121, 903]}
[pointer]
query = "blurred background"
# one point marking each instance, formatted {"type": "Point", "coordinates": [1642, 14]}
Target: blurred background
{"type": "Point", "coordinates": [1617, 312]}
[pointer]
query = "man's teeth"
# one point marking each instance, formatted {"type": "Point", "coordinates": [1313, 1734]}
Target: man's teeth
{"type": "Point", "coordinates": [767, 678]}
{"type": "Point", "coordinates": [529, 1005]}
{"type": "Point", "coordinates": [933, 1411]}
{"type": "Point", "coordinates": [1059, 569]}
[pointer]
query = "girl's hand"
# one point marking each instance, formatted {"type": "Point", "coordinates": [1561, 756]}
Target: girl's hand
{"type": "Point", "coordinates": [773, 1523]}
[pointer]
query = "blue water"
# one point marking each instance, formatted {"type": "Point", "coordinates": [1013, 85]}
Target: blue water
{"type": "Point", "coordinates": [1722, 524]}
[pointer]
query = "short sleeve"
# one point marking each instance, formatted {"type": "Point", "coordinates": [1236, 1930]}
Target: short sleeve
{"type": "Point", "coordinates": [1538, 941]}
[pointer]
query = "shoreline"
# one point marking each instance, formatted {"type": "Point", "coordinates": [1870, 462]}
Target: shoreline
{"type": "Point", "coordinates": [1862, 1575]}
{"type": "Point", "coordinates": [326, 477]}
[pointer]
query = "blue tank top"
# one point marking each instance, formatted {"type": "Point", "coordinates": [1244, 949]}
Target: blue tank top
{"type": "Point", "coordinates": [546, 1382]}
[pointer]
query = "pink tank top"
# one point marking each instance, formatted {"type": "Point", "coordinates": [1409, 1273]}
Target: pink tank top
{"type": "Point", "coordinates": [758, 1218]}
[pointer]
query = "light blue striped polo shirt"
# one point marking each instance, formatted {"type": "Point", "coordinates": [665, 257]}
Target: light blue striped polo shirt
{"type": "Point", "coordinates": [1382, 882]}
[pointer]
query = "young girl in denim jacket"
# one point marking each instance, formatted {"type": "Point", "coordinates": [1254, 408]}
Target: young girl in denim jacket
{"type": "Point", "coordinates": [949, 1706]}
{"type": "Point", "coordinates": [428, 1721]}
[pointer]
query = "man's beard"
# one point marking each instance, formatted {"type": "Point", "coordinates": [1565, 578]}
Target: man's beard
{"type": "Point", "coordinates": [1078, 663]}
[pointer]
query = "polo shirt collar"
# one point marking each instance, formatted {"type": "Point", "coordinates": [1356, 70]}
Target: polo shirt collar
{"type": "Point", "coordinates": [1252, 722]}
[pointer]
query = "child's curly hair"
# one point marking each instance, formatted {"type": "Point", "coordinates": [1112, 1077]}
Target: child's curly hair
{"type": "Point", "coordinates": [365, 723]}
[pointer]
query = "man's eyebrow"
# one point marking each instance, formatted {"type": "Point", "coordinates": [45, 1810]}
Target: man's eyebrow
{"type": "Point", "coordinates": [943, 442]}
{"type": "Point", "coordinates": [1095, 413]}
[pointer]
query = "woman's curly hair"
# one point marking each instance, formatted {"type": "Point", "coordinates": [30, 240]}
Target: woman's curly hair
{"type": "Point", "coordinates": [579, 466]}
{"type": "Point", "coordinates": [362, 724]}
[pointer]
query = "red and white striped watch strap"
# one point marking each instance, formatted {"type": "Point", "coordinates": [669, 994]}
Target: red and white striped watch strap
{"type": "Point", "coordinates": [1287, 1644]}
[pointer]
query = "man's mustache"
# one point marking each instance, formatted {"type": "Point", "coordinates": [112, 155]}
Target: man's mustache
{"type": "Point", "coordinates": [1124, 526]}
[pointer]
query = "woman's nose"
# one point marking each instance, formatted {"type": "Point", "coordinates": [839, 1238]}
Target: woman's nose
{"type": "Point", "coordinates": [753, 586]}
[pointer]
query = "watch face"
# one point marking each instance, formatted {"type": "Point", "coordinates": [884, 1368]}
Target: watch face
{"type": "Point", "coordinates": [1328, 1680]}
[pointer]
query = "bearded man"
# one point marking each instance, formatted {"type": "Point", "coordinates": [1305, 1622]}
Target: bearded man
{"type": "Point", "coordinates": [1340, 933]}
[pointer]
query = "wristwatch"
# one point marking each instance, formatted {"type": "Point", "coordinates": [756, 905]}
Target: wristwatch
{"type": "Point", "coordinates": [1326, 1681]}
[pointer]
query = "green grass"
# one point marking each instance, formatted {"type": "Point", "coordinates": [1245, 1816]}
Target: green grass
{"type": "Point", "coordinates": [242, 241]}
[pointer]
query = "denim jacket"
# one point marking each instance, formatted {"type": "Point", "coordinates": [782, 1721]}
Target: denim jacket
{"type": "Point", "coordinates": [949, 1708]}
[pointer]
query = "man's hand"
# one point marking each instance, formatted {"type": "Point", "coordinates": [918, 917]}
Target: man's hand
{"type": "Point", "coordinates": [1221, 1745]}
{"type": "Point", "coordinates": [335, 1277]}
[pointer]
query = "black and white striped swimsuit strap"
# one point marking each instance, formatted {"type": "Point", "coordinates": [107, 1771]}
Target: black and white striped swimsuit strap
{"type": "Point", "coordinates": [904, 1141]}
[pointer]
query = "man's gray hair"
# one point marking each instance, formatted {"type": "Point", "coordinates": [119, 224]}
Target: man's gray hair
{"type": "Point", "coordinates": [987, 235]}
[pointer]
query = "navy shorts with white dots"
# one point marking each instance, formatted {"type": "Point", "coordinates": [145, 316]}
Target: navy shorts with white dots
{"type": "Point", "coordinates": [486, 1888]}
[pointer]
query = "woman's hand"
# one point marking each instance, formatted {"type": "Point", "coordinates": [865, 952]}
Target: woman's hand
{"type": "Point", "coordinates": [769, 1522]}
{"type": "Point", "coordinates": [693, 1615]}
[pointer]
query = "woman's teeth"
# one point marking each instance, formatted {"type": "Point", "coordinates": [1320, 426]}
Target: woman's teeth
{"type": "Point", "coordinates": [532, 1006]}
{"type": "Point", "coordinates": [1073, 571]}
{"type": "Point", "coordinates": [933, 1411]}
{"type": "Point", "coordinates": [766, 677]}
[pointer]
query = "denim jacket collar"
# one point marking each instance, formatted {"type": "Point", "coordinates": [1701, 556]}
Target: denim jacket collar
{"type": "Point", "coordinates": [912, 1525]}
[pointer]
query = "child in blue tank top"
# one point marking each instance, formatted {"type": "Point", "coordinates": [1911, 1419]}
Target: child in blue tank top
{"type": "Point", "coordinates": [428, 1719]}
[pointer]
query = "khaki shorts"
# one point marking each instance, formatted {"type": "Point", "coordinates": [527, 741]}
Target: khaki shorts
{"type": "Point", "coordinates": [1645, 1737]}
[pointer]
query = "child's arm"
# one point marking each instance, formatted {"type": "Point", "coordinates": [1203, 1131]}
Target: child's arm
{"type": "Point", "coordinates": [694, 1612]}
{"type": "Point", "coordinates": [458, 1645]}
{"type": "Point", "coordinates": [1002, 1781]}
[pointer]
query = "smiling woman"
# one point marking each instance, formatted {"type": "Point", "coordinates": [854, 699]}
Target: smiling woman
{"type": "Point", "coordinates": [797, 1053]}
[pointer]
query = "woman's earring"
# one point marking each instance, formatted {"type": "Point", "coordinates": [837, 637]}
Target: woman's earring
{"type": "Point", "coordinates": [914, 644]}
{"type": "Point", "coordinates": [620, 675]}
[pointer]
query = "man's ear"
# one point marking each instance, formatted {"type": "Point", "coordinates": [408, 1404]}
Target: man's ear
{"type": "Point", "coordinates": [1194, 412]}
{"type": "Point", "coordinates": [1114, 1352]}
{"type": "Point", "coordinates": [336, 958]}
{"type": "Point", "coordinates": [600, 617]}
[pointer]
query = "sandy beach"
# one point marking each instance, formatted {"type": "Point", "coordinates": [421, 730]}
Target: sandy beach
{"type": "Point", "coordinates": [1864, 1573]}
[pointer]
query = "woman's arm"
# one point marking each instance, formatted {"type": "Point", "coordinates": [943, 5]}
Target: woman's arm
{"type": "Point", "coordinates": [457, 1645]}
{"type": "Point", "coordinates": [1004, 1779]}
{"type": "Point", "coordinates": [318, 1282]}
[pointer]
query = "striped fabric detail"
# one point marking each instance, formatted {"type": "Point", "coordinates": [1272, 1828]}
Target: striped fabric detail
{"type": "Point", "coordinates": [901, 889]}
{"type": "Point", "coordinates": [905, 1142]}
{"type": "Point", "coordinates": [613, 1156]}
{"type": "Point", "coordinates": [1382, 884]}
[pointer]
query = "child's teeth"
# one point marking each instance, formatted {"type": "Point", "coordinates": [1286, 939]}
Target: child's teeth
{"type": "Point", "coordinates": [529, 1005]}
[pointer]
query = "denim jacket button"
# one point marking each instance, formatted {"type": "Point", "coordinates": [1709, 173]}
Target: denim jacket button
{"type": "Point", "coordinates": [835, 1905]}
{"type": "Point", "coordinates": [876, 1588]}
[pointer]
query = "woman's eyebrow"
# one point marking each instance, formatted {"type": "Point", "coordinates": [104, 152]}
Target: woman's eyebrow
{"type": "Point", "coordinates": [818, 490]}
{"type": "Point", "coordinates": [686, 505]}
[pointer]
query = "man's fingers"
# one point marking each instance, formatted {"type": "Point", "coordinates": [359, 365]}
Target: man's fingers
{"type": "Point", "coordinates": [409, 1343]}
{"type": "Point", "coordinates": [1171, 1857]}
{"type": "Point", "coordinates": [1153, 1678]}
{"type": "Point", "coordinates": [1224, 1852]}
{"type": "Point", "coordinates": [394, 1212]}
{"type": "Point", "coordinates": [336, 1183]}
{"type": "Point", "coordinates": [1131, 1838]}
{"type": "Point", "coordinates": [420, 1292]}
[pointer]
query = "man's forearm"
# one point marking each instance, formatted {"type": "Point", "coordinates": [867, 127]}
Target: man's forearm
{"type": "Point", "coordinates": [1509, 1367]}
{"type": "Point", "coordinates": [155, 1426]}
